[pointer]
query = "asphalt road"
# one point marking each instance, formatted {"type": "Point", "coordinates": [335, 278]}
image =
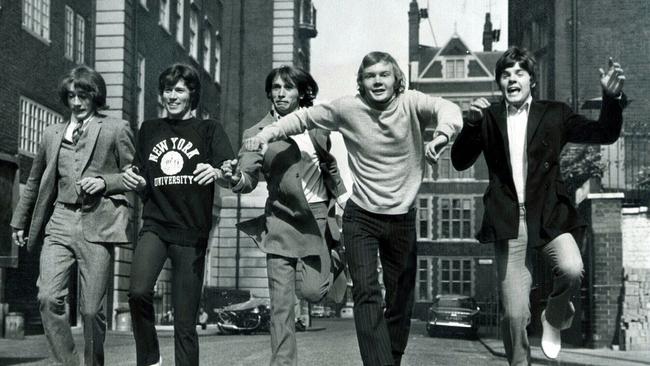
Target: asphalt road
{"type": "Point", "coordinates": [329, 342]}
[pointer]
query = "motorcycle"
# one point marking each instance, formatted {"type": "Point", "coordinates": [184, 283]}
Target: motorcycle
{"type": "Point", "coordinates": [247, 317]}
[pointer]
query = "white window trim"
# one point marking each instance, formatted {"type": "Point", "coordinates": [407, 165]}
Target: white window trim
{"type": "Point", "coordinates": [194, 34]}
{"type": "Point", "coordinates": [79, 49]}
{"type": "Point", "coordinates": [217, 57]}
{"type": "Point", "coordinates": [472, 218]}
{"type": "Point", "coordinates": [429, 198]}
{"type": "Point", "coordinates": [429, 280]}
{"type": "Point", "coordinates": [206, 53]}
{"type": "Point", "coordinates": [69, 34]}
{"type": "Point", "coordinates": [41, 117]}
{"type": "Point", "coordinates": [164, 18]}
{"type": "Point", "coordinates": [180, 22]}
{"type": "Point", "coordinates": [444, 68]}
{"type": "Point", "coordinates": [27, 28]}
{"type": "Point", "coordinates": [472, 273]}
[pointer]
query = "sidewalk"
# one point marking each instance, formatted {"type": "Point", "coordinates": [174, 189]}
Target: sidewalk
{"type": "Point", "coordinates": [571, 356]}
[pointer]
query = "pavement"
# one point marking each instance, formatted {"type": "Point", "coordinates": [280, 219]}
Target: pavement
{"type": "Point", "coordinates": [574, 356]}
{"type": "Point", "coordinates": [327, 342]}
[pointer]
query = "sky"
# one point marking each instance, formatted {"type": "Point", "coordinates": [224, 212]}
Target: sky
{"type": "Point", "coordinates": [349, 29]}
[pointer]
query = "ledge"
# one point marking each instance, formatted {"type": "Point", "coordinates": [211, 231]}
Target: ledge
{"type": "Point", "coordinates": [605, 196]}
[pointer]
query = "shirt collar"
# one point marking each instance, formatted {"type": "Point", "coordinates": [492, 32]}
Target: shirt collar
{"type": "Point", "coordinates": [512, 110]}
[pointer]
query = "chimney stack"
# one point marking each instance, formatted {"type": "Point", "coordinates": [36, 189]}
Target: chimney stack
{"type": "Point", "coordinates": [414, 30]}
{"type": "Point", "coordinates": [487, 34]}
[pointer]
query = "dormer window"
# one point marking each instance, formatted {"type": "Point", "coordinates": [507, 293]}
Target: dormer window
{"type": "Point", "coordinates": [455, 69]}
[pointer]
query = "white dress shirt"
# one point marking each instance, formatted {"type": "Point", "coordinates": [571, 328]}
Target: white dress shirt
{"type": "Point", "coordinates": [517, 122]}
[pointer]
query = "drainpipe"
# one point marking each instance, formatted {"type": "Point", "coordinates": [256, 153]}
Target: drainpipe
{"type": "Point", "coordinates": [574, 54]}
{"type": "Point", "coordinates": [240, 132]}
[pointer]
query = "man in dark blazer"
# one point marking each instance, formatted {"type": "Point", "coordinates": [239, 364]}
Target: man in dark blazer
{"type": "Point", "coordinates": [304, 185]}
{"type": "Point", "coordinates": [526, 203]}
{"type": "Point", "coordinates": [75, 200]}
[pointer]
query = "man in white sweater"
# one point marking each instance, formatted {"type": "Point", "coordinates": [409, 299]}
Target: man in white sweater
{"type": "Point", "coordinates": [382, 127]}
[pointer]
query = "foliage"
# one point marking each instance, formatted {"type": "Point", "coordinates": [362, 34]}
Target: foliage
{"type": "Point", "coordinates": [578, 163]}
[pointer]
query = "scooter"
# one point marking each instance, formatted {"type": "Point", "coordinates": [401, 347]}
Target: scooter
{"type": "Point", "coordinates": [247, 317]}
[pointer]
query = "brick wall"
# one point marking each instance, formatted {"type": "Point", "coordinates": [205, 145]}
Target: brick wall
{"type": "Point", "coordinates": [603, 267]}
{"type": "Point", "coordinates": [635, 310]}
{"type": "Point", "coordinates": [636, 231]}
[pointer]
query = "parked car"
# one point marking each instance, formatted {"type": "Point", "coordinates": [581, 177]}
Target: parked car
{"type": "Point", "coordinates": [320, 311]}
{"type": "Point", "coordinates": [453, 314]}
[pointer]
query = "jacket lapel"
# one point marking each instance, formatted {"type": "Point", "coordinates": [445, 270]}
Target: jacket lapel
{"type": "Point", "coordinates": [86, 150]}
{"type": "Point", "coordinates": [499, 111]}
{"type": "Point", "coordinates": [534, 117]}
{"type": "Point", "coordinates": [55, 145]}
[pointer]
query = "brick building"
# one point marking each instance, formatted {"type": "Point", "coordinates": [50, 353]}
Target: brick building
{"type": "Point", "coordinates": [257, 36]}
{"type": "Point", "coordinates": [450, 208]}
{"type": "Point", "coordinates": [41, 40]}
{"type": "Point", "coordinates": [129, 42]}
{"type": "Point", "coordinates": [571, 40]}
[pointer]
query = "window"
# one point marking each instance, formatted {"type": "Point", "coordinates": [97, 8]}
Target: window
{"type": "Point", "coordinates": [217, 57]}
{"type": "Point", "coordinates": [163, 19]}
{"type": "Point", "coordinates": [33, 119]}
{"type": "Point", "coordinates": [207, 54]}
{"type": "Point", "coordinates": [80, 41]}
{"type": "Point", "coordinates": [69, 33]}
{"type": "Point", "coordinates": [423, 228]}
{"type": "Point", "coordinates": [194, 33]}
{"type": "Point", "coordinates": [36, 17]}
{"type": "Point", "coordinates": [455, 215]}
{"type": "Point", "coordinates": [423, 288]}
{"type": "Point", "coordinates": [144, 4]}
{"type": "Point", "coordinates": [140, 89]}
{"type": "Point", "coordinates": [455, 69]}
{"type": "Point", "coordinates": [446, 170]}
{"type": "Point", "coordinates": [180, 12]}
{"type": "Point", "coordinates": [455, 276]}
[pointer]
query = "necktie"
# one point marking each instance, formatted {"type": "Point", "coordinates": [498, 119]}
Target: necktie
{"type": "Point", "coordinates": [76, 133]}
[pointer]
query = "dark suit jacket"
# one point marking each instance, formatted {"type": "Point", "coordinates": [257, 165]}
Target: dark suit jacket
{"type": "Point", "coordinates": [287, 220]}
{"type": "Point", "coordinates": [549, 209]}
{"type": "Point", "coordinates": [105, 152]}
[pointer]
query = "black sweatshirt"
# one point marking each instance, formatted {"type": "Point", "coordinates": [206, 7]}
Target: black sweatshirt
{"type": "Point", "coordinates": [177, 208]}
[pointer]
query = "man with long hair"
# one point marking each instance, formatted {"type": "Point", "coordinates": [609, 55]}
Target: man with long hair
{"type": "Point", "coordinates": [304, 185]}
{"type": "Point", "coordinates": [382, 127]}
{"type": "Point", "coordinates": [78, 210]}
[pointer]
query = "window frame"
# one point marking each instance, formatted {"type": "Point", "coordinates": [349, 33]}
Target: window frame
{"type": "Point", "coordinates": [441, 220]}
{"type": "Point", "coordinates": [37, 25]}
{"type": "Point", "coordinates": [34, 117]}
{"type": "Point", "coordinates": [461, 270]}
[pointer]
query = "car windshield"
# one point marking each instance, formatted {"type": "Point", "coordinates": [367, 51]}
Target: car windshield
{"type": "Point", "coordinates": [455, 303]}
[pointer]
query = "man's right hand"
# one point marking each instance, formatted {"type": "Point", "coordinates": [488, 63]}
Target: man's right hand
{"type": "Point", "coordinates": [475, 114]}
{"type": "Point", "coordinates": [132, 181]}
{"type": "Point", "coordinates": [255, 144]}
{"type": "Point", "coordinates": [230, 172]}
{"type": "Point", "coordinates": [18, 236]}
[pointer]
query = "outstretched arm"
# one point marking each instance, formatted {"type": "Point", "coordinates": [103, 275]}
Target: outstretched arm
{"type": "Point", "coordinates": [607, 129]}
{"type": "Point", "coordinates": [468, 144]}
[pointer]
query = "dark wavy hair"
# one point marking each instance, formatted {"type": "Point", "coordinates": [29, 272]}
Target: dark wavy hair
{"type": "Point", "coordinates": [301, 79]}
{"type": "Point", "coordinates": [374, 58]}
{"type": "Point", "coordinates": [188, 74]}
{"type": "Point", "coordinates": [513, 55]}
{"type": "Point", "coordinates": [88, 80]}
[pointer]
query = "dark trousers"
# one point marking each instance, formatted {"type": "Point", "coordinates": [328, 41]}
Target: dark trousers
{"type": "Point", "coordinates": [188, 264]}
{"type": "Point", "coordinates": [382, 334]}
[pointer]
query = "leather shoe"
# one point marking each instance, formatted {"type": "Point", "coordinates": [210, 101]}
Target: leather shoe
{"type": "Point", "coordinates": [551, 339]}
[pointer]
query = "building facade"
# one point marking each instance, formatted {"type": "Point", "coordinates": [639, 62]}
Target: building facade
{"type": "Point", "coordinates": [450, 207]}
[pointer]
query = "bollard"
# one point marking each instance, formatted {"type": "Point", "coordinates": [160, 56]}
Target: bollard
{"type": "Point", "coordinates": [15, 326]}
{"type": "Point", "coordinates": [123, 320]}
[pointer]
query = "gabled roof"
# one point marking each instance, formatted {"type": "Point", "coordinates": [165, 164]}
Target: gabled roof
{"type": "Point", "coordinates": [455, 47]}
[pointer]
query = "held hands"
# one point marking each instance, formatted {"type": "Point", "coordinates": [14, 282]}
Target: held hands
{"type": "Point", "coordinates": [475, 114]}
{"type": "Point", "coordinates": [612, 81]}
{"type": "Point", "coordinates": [91, 185]}
{"type": "Point", "coordinates": [255, 144]}
{"type": "Point", "coordinates": [205, 174]}
{"type": "Point", "coordinates": [231, 174]}
{"type": "Point", "coordinates": [132, 180]}
{"type": "Point", "coordinates": [18, 236]}
{"type": "Point", "coordinates": [435, 148]}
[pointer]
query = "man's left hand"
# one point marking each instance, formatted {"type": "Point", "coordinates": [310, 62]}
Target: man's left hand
{"type": "Point", "coordinates": [92, 185]}
{"type": "Point", "coordinates": [612, 81]}
{"type": "Point", "coordinates": [435, 148]}
{"type": "Point", "coordinates": [205, 174]}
